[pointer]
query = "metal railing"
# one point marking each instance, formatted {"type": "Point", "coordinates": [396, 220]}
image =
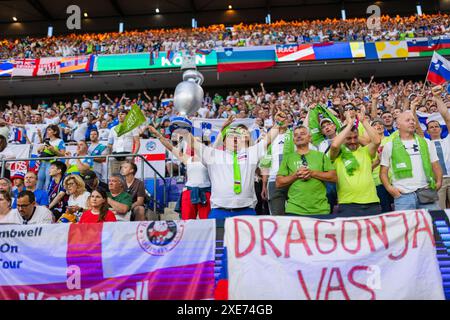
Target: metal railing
{"type": "Point", "coordinates": [107, 157]}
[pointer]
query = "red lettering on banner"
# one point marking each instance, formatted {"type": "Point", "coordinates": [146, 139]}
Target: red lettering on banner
{"type": "Point", "coordinates": [359, 285]}
{"type": "Point", "coordinates": [358, 237]}
{"type": "Point", "coordinates": [319, 288]}
{"type": "Point", "coordinates": [340, 287]}
{"type": "Point", "coordinates": [381, 235]}
{"type": "Point", "coordinates": [301, 239]}
{"type": "Point", "coordinates": [268, 240]}
{"type": "Point", "coordinates": [426, 229]}
{"type": "Point", "coordinates": [405, 222]}
{"type": "Point", "coordinates": [327, 236]}
{"type": "Point", "coordinates": [303, 284]}
{"type": "Point", "coordinates": [236, 240]}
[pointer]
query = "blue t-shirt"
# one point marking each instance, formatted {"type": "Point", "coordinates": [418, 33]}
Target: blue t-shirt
{"type": "Point", "coordinates": [40, 195]}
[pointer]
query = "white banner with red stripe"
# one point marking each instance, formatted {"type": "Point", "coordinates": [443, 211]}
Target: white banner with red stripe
{"type": "Point", "coordinates": [390, 256]}
{"type": "Point", "coordinates": [36, 67]}
{"type": "Point", "coordinates": [149, 260]}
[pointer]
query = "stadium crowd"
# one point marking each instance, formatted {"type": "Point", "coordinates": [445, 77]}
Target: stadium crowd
{"type": "Point", "coordinates": [211, 37]}
{"type": "Point", "coordinates": [351, 148]}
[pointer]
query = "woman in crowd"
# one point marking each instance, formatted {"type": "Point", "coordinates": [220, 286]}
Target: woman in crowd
{"type": "Point", "coordinates": [197, 191]}
{"type": "Point", "coordinates": [5, 155]}
{"type": "Point", "coordinates": [5, 207]}
{"type": "Point", "coordinates": [78, 196]}
{"type": "Point", "coordinates": [98, 209]}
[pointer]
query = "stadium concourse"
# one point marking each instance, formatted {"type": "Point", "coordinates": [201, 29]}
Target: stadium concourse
{"type": "Point", "coordinates": [223, 179]}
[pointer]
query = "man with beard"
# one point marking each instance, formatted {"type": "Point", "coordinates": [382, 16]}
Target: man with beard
{"type": "Point", "coordinates": [356, 190]}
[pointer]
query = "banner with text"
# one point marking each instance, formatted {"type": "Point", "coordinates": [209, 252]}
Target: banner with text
{"type": "Point", "coordinates": [137, 61]}
{"type": "Point", "coordinates": [150, 260]}
{"type": "Point", "coordinates": [390, 256]}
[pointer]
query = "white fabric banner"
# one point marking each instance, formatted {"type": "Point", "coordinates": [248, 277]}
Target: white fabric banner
{"type": "Point", "coordinates": [49, 66]}
{"type": "Point", "coordinates": [161, 260]}
{"type": "Point", "coordinates": [20, 151]}
{"type": "Point", "coordinates": [390, 256]}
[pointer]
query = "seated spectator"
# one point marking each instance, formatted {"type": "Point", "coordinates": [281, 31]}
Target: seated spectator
{"type": "Point", "coordinates": [5, 208]}
{"type": "Point", "coordinates": [119, 201]}
{"type": "Point", "coordinates": [56, 192]}
{"type": "Point", "coordinates": [30, 184]}
{"type": "Point", "coordinates": [136, 189]}
{"type": "Point", "coordinates": [5, 185]}
{"type": "Point", "coordinates": [98, 209]}
{"type": "Point", "coordinates": [28, 212]}
{"type": "Point", "coordinates": [76, 166]}
{"type": "Point", "coordinates": [78, 196]}
{"type": "Point", "coordinates": [17, 181]}
{"type": "Point", "coordinates": [92, 182]}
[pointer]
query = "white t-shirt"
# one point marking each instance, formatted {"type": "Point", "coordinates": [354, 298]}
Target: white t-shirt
{"type": "Point", "coordinates": [9, 218]}
{"type": "Point", "coordinates": [220, 169]}
{"type": "Point", "coordinates": [80, 201]}
{"type": "Point", "coordinates": [197, 175]}
{"type": "Point", "coordinates": [324, 145]}
{"type": "Point", "coordinates": [103, 134]}
{"type": "Point", "coordinates": [445, 145]}
{"type": "Point", "coordinates": [42, 215]}
{"type": "Point", "coordinates": [124, 143]}
{"type": "Point", "coordinates": [418, 180]}
{"type": "Point", "coordinates": [32, 132]}
{"type": "Point", "coordinates": [49, 121]}
{"type": "Point", "coordinates": [79, 131]}
{"type": "Point", "coordinates": [277, 154]}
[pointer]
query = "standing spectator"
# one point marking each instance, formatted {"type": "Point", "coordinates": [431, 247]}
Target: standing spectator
{"type": "Point", "coordinates": [282, 146]}
{"type": "Point", "coordinates": [442, 150]}
{"type": "Point", "coordinates": [125, 144]}
{"type": "Point", "coordinates": [388, 120]}
{"type": "Point", "coordinates": [79, 128]}
{"type": "Point", "coordinates": [5, 155]}
{"type": "Point", "coordinates": [119, 201]}
{"type": "Point", "coordinates": [195, 197]}
{"type": "Point", "coordinates": [6, 215]}
{"type": "Point", "coordinates": [28, 212]}
{"type": "Point", "coordinates": [56, 192]}
{"type": "Point", "coordinates": [97, 149]}
{"type": "Point", "coordinates": [53, 146]}
{"type": "Point", "coordinates": [304, 173]}
{"type": "Point", "coordinates": [417, 174]}
{"type": "Point", "coordinates": [98, 209]}
{"type": "Point", "coordinates": [232, 171]}
{"type": "Point", "coordinates": [356, 190]}
{"type": "Point", "coordinates": [136, 189]}
{"type": "Point", "coordinates": [386, 200]}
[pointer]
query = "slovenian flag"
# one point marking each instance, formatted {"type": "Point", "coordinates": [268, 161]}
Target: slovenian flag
{"type": "Point", "coordinates": [245, 58]}
{"type": "Point", "coordinates": [203, 52]}
{"type": "Point", "coordinates": [439, 70]}
{"type": "Point", "coordinates": [424, 118]}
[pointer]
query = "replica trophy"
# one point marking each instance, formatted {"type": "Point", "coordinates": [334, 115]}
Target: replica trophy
{"type": "Point", "coordinates": [188, 97]}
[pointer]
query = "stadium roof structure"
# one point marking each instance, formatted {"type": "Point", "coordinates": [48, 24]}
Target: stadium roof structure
{"type": "Point", "coordinates": [104, 15]}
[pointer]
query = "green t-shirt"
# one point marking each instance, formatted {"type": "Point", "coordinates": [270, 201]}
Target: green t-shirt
{"type": "Point", "coordinates": [310, 196]}
{"type": "Point", "coordinates": [123, 198]}
{"type": "Point", "coordinates": [360, 187]}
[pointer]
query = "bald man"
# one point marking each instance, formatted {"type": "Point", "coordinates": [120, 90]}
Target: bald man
{"type": "Point", "coordinates": [416, 173]}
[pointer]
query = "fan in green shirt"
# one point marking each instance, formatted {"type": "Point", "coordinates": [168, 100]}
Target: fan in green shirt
{"type": "Point", "coordinates": [305, 172]}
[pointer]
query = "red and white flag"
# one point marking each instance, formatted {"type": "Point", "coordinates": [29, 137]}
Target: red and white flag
{"type": "Point", "coordinates": [295, 52]}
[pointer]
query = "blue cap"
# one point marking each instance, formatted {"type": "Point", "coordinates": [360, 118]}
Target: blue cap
{"type": "Point", "coordinates": [180, 123]}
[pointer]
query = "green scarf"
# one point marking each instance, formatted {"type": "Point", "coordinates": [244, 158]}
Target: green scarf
{"type": "Point", "coordinates": [288, 147]}
{"type": "Point", "coordinates": [401, 161]}
{"type": "Point", "coordinates": [349, 160]}
{"type": "Point", "coordinates": [314, 123]}
{"type": "Point", "coordinates": [236, 174]}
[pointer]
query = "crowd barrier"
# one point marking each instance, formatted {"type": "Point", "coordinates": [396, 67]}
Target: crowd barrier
{"type": "Point", "coordinates": [187, 259]}
{"type": "Point", "coordinates": [229, 58]}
